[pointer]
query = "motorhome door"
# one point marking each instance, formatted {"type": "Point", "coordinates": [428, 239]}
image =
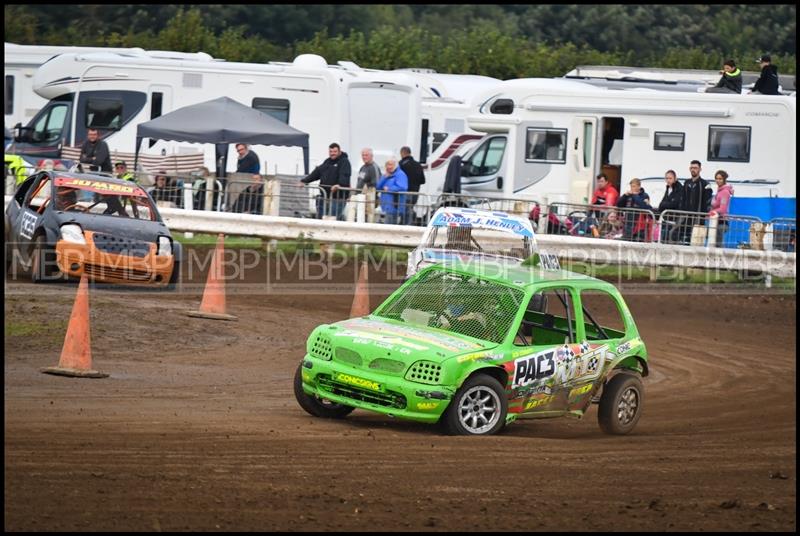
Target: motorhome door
{"type": "Point", "coordinates": [483, 170]}
{"type": "Point", "coordinates": [582, 168]}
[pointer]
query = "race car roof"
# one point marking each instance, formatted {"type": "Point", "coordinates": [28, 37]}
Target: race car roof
{"type": "Point", "coordinates": [518, 275]}
{"type": "Point", "coordinates": [482, 219]}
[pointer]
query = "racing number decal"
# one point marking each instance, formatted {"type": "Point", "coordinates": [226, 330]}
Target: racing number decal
{"type": "Point", "coordinates": [531, 368]}
{"type": "Point", "coordinates": [28, 224]}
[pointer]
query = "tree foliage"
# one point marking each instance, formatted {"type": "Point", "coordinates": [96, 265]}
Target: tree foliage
{"type": "Point", "coordinates": [503, 41]}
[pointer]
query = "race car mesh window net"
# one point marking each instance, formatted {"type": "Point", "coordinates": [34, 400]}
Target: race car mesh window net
{"type": "Point", "coordinates": [458, 303]}
{"type": "Point", "coordinates": [480, 242]}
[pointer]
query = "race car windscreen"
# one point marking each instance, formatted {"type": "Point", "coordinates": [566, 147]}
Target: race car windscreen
{"type": "Point", "coordinates": [464, 304]}
{"type": "Point", "coordinates": [480, 242]}
{"type": "Point", "coordinates": [101, 198]}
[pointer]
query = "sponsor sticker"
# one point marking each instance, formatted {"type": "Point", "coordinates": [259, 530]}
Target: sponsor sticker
{"type": "Point", "coordinates": [358, 382]}
{"type": "Point", "coordinates": [425, 406]}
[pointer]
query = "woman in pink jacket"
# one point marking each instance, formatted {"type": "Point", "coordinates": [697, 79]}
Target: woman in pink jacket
{"type": "Point", "coordinates": [721, 203]}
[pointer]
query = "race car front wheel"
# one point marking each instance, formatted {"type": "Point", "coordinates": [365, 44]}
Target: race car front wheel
{"type": "Point", "coordinates": [621, 404]}
{"type": "Point", "coordinates": [478, 408]}
{"type": "Point", "coordinates": [43, 262]}
{"type": "Point", "coordinates": [316, 406]}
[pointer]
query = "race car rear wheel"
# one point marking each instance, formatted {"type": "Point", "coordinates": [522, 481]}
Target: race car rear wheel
{"type": "Point", "coordinates": [316, 406]}
{"type": "Point", "coordinates": [479, 407]}
{"type": "Point", "coordinates": [621, 404]}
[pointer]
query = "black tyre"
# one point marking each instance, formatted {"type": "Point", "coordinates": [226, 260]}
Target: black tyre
{"type": "Point", "coordinates": [621, 404]}
{"type": "Point", "coordinates": [316, 406]}
{"type": "Point", "coordinates": [174, 277]}
{"type": "Point", "coordinates": [43, 262]}
{"type": "Point", "coordinates": [479, 407]}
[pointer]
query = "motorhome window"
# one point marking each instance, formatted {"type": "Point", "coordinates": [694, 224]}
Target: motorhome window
{"type": "Point", "coordinates": [130, 103]}
{"type": "Point", "coordinates": [728, 144]}
{"type": "Point", "coordinates": [669, 141]}
{"type": "Point", "coordinates": [546, 145]}
{"type": "Point", "coordinates": [502, 106]}
{"type": "Point", "coordinates": [50, 124]}
{"type": "Point", "coordinates": [9, 94]}
{"type": "Point", "coordinates": [277, 108]}
{"type": "Point", "coordinates": [103, 113]}
{"type": "Point", "coordinates": [156, 103]}
{"type": "Point", "coordinates": [438, 139]}
{"type": "Point", "coordinates": [486, 160]}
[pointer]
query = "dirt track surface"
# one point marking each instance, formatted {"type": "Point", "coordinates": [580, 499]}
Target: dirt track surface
{"type": "Point", "coordinates": [197, 427]}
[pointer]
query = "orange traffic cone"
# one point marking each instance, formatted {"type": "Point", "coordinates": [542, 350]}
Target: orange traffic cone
{"type": "Point", "coordinates": [76, 355]}
{"type": "Point", "coordinates": [360, 305]}
{"type": "Point", "coordinates": [213, 304]}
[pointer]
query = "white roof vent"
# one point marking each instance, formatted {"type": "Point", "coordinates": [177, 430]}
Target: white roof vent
{"type": "Point", "coordinates": [310, 61]}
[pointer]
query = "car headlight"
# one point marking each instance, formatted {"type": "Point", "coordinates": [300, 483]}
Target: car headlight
{"type": "Point", "coordinates": [164, 245]}
{"type": "Point", "coordinates": [72, 232]}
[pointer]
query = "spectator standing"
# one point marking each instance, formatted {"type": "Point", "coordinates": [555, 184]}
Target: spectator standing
{"type": "Point", "coordinates": [95, 153]}
{"type": "Point", "coordinates": [767, 83]}
{"type": "Point", "coordinates": [395, 180]}
{"type": "Point", "coordinates": [672, 200]}
{"type": "Point", "coordinates": [368, 177]}
{"type": "Point", "coordinates": [121, 172]}
{"type": "Point", "coordinates": [416, 178]}
{"type": "Point", "coordinates": [166, 190]}
{"type": "Point", "coordinates": [731, 80]}
{"type": "Point", "coordinates": [721, 203]}
{"type": "Point", "coordinates": [248, 160]}
{"type": "Point", "coordinates": [251, 199]}
{"type": "Point", "coordinates": [696, 198]}
{"type": "Point", "coordinates": [332, 174]}
{"type": "Point", "coordinates": [636, 224]}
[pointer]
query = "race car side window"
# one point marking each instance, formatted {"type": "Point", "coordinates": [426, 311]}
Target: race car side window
{"type": "Point", "coordinates": [549, 319]}
{"type": "Point", "coordinates": [41, 194]}
{"type": "Point", "coordinates": [23, 190]}
{"type": "Point", "coordinates": [602, 317]}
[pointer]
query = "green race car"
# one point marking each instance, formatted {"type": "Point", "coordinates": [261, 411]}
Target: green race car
{"type": "Point", "coordinates": [476, 347]}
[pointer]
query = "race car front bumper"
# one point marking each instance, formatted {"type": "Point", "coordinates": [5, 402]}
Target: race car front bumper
{"type": "Point", "coordinates": [390, 395]}
{"type": "Point", "coordinates": [142, 267]}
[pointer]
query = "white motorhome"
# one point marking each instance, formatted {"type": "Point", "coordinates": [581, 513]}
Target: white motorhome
{"type": "Point", "coordinates": [547, 139]}
{"type": "Point", "coordinates": [117, 92]}
{"type": "Point", "coordinates": [21, 61]}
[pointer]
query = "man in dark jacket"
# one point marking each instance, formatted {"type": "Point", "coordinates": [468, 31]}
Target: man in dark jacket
{"type": "Point", "coordinates": [94, 152]}
{"type": "Point", "coordinates": [247, 161]}
{"type": "Point", "coordinates": [697, 194]}
{"type": "Point", "coordinates": [672, 200]}
{"type": "Point", "coordinates": [767, 83]}
{"type": "Point", "coordinates": [416, 178]}
{"type": "Point", "coordinates": [731, 80]}
{"type": "Point", "coordinates": [332, 174]}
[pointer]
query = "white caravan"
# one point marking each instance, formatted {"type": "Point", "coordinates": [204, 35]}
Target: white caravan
{"type": "Point", "coordinates": [547, 139]}
{"type": "Point", "coordinates": [21, 61]}
{"type": "Point", "coordinates": [117, 92]}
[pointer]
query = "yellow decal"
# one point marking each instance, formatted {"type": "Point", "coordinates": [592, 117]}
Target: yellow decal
{"type": "Point", "coordinates": [580, 390]}
{"type": "Point", "coordinates": [536, 402]}
{"type": "Point", "coordinates": [427, 405]}
{"type": "Point", "coordinates": [101, 185]}
{"type": "Point", "coordinates": [359, 382]}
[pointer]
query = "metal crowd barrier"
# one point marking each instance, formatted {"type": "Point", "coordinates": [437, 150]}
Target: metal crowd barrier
{"type": "Point", "coordinates": [600, 221]}
{"type": "Point", "coordinates": [699, 229]}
